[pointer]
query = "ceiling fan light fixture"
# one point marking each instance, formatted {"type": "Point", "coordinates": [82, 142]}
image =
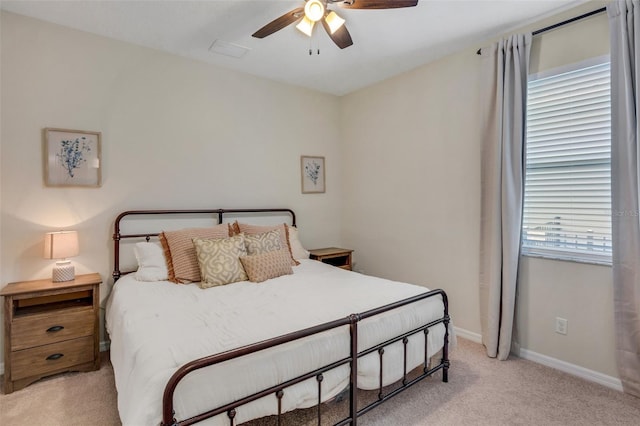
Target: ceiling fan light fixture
{"type": "Point", "coordinates": [306, 26]}
{"type": "Point", "coordinates": [334, 21]}
{"type": "Point", "coordinates": [314, 10]}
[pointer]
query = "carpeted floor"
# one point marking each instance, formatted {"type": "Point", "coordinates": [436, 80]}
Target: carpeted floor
{"type": "Point", "coordinates": [481, 391]}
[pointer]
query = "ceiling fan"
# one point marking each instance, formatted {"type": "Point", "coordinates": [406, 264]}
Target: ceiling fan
{"type": "Point", "coordinates": [318, 10]}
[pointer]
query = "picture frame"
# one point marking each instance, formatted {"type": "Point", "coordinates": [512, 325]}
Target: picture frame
{"type": "Point", "coordinates": [312, 172]}
{"type": "Point", "coordinates": [72, 158]}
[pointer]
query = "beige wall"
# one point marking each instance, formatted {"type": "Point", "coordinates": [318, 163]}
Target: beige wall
{"type": "Point", "coordinates": [176, 134]}
{"type": "Point", "coordinates": [571, 43]}
{"type": "Point", "coordinates": [412, 197]}
{"type": "Point", "coordinates": [580, 293]}
{"type": "Point", "coordinates": [412, 190]}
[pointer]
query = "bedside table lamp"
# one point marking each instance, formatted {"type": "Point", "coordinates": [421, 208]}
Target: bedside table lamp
{"type": "Point", "coordinates": [60, 245]}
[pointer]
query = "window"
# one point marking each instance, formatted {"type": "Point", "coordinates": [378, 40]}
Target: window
{"type": "Point", "coordinates": [567, 201]}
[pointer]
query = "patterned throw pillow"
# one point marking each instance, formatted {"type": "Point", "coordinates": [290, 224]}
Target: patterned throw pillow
{"type": "Point", "coordinates": [258, 229]}
{"type": "Point", "coordinates": [272, 264]}
{"type": "Point", "coordinates": [219, 260]}
{"type": "Point", "coordinates": [262, 243]}
{"type": "Point", "coordinates": [181, 254]}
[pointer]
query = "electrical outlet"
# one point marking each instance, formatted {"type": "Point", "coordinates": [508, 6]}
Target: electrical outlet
{"type": "Point", "coordinates": [561, 325]}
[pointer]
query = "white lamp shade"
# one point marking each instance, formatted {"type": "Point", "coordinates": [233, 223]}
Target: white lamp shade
{"type": "Point", "coordinates": [60, 245]}
{"type": "Point", "coordinates": [334, 21]}
{"type": "Point", "coordinates": [306, 26]}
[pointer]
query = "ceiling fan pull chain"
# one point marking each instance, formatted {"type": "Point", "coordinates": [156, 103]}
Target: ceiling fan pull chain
{"type": "Point", "coordinates": [311, 48]}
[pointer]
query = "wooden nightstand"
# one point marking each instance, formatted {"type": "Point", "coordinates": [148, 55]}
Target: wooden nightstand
{"type": "Point", "coordinates": [50, 328]}
{"type": "Point", "coordinates": [335, 256]}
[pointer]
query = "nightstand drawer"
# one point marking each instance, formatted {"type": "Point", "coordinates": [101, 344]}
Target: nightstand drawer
{"type": "Point", "coordinates": [50, 358]}
{"type": "Point", "coordinates": [334, 256]}
{"type": "Point", "coordinates": [37, 330]}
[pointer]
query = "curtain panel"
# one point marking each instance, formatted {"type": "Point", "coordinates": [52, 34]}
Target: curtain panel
{"type": "Point", "coordinates": [504, 83]}
{"type": "Point", "coordinates": [624, 23]}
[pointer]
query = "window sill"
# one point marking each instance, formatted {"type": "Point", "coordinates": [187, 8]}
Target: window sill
{"type": "Point", "coordinates": [567, 258]}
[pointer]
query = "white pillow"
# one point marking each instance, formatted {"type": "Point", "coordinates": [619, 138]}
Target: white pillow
{"type": "Point", "coordinates": [297, 251]}
{"type": "Point", "coordinates": [152, 265]}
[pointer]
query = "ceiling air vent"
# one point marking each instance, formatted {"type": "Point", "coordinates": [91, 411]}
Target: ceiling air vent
{"type": "Point", "coordinates": [229, 49]}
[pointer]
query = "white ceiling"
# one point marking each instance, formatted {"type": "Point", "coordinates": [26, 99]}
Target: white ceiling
{"type": "Point", "coordinates": [386, 42]}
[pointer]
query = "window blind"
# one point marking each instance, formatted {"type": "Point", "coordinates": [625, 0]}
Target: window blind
{"type": "Point", "coordinates": [567, 202]}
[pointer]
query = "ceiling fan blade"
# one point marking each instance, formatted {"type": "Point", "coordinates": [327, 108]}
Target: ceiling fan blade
{"type": "Point", "coordinates": [341, 37]}
{"type": "Point", "coordinates": [378, 4]}
{"type": "Point", "coordinates": [279, 23]}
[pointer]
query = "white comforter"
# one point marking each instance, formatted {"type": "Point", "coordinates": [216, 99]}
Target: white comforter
{"type": "Point", "coordinates": [157, 327]}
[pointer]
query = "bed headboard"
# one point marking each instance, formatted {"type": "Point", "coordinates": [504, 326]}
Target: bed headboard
{"type": "Point", "coordinates": [149, 228]}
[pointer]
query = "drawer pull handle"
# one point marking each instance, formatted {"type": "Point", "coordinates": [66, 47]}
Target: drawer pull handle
{"type": "Point", "coordinates": [55, 328]}
{"type": "Point", "coordinates": [54, 357]}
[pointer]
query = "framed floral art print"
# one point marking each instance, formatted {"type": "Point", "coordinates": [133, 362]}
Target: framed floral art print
{"type": "Point", "coordinates": [72, 158]}
{"type": "Point", "coordinates": [312, 171]}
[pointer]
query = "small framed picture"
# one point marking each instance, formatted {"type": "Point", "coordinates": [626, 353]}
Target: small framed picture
{"type": "Point", "coordinates": [72, 158]}
{"type": "Point", "coordinates": [312, 171]}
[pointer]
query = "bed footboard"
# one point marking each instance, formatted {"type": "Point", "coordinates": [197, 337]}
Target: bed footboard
{"type": "Point", "coordinates": [278, 390]}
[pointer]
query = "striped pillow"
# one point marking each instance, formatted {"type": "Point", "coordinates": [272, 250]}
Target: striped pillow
{"type": "Point", "coordinates": [180, 252]}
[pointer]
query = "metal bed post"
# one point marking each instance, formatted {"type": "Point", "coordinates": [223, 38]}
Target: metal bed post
{"type": "Point", "coordinates": [445, 346]}
{"type": "Point", "coordinates": [353, 383]}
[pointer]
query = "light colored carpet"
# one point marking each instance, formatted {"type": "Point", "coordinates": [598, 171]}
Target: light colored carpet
{"type": "Point", "coordinates": [481, 391]}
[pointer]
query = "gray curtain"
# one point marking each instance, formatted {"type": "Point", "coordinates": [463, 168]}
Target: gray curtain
{"type": "Point", "coordinates": [505, 68]}
{"type": "Point", "coordinates": [624, 20]}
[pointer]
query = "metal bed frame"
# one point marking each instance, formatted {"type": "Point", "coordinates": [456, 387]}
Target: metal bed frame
{"type": "Point", "coordinates": [278, 390]}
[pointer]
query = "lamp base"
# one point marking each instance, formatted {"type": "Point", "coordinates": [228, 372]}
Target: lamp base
{"type": "Point", "coordinates": [63, 271]}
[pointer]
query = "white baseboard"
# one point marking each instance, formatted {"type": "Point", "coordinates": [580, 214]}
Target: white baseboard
{"type": "Point", "coordinates": [574, 370]}
{"type": "Point", "coordinates": [469, 335]}
{"type": "Point", "coordinates": [566, 367]}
